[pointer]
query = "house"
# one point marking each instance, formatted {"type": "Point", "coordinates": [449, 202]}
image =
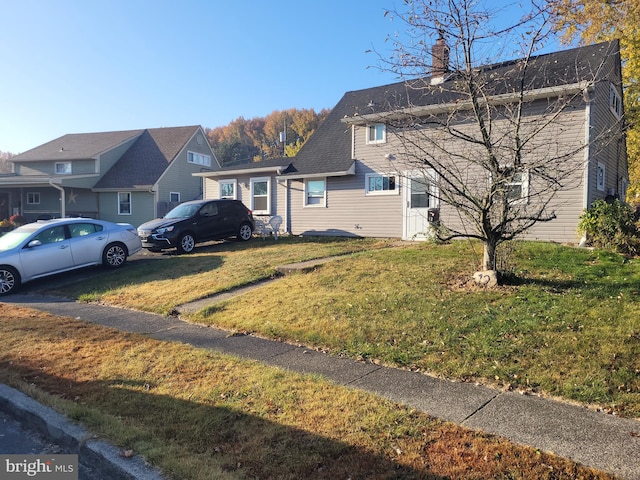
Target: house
{"type": "Point", "coordinates": [124, 176]}
{"type": "Point", "coordinates": [353, 177]}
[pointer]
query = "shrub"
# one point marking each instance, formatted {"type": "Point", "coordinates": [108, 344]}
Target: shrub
{"type": "Point", "coordinates": [612, 226]}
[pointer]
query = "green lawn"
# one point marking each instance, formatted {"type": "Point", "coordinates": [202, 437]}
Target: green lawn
{"type": "Point", "coordinates": [566, 324]}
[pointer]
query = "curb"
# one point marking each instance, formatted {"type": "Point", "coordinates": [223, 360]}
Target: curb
{"type": "Point", "coordinates": [99, 455]}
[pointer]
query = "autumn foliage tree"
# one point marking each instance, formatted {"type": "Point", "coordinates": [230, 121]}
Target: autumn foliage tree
{"type": "Point", "coordinates": [249, 140]}
{"type": "Point", "coordinates": [600, 20]}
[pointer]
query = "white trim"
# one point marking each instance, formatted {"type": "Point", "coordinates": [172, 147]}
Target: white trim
{"type": "Point", "coordinates": [601, 180]}
{"type": "Point", "coordinates": [351, 171]}
{"type": "Point", "coordinates": [615, 101]}
{"type": "Point", "coordinates": [240, 171]}
{"type": "Point", "coordinates": [130, 204]}
{"type": "Point", "coordinates": [305, 197]}
{"type": "Point", "coordinates": [174, 193]}
{"type": "Point", "coordinates": [198, 155]}
{"type": "Point", "coordinates": [373, 193]}
{"type": "Point", "coordinates": [65, 164]}
{"type": "Point", "coordinates": [374, 127]}
{"type": "Point", "coordinates": [253, 181]}
{"type": "Point", "coordinates": [587, 153]}
{"type": "Point", "coordinates": [524, 187]}
{"type": "Point", "coordinates": [228, 181]}
{"type": "Point", "coordinates": [34, 198]}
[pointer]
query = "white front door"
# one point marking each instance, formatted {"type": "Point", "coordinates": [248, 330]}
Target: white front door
{"type": "Point", "coordinates": [419, 197]}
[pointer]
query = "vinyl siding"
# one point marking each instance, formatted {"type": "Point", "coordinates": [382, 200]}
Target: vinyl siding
{"type": "Point", "coordinates": [243, 193]}
{"type": "Point", "coordinates": [606, 126]}
{"type": "Point", "coordinates": [78, 167]}
{"type": "Point", "coordinates": [141, 204]}
{"type": "Point", "coordinates": [566, 136]}
{"type": "Point", "coordinates": [348, 211]}
{"type": "Point", "coordinates": [178, 175]}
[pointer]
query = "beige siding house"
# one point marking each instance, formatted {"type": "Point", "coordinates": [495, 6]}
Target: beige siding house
{"type": "Point", "coordinates": [357, 175]}
{"type": "Point", "coordinates": [127, 176]}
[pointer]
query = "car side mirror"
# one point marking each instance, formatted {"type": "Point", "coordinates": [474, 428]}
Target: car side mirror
{"type": "Point", "coordinates": [34, 243]}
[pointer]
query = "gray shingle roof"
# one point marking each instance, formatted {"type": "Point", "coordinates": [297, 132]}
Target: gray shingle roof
{"type": "Point", "coordinates": [148, 158]}
{"type": "Point", "coordinates": [329, 149]}
{"type": "Point", "coordinates": [76, 146]}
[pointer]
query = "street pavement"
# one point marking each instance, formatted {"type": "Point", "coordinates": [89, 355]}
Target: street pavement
{"type": "Point", "coordinates": [595, 439]}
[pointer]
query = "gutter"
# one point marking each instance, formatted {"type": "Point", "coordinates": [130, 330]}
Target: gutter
{"type": "Point", "coordinates": [433, 109]}
{"type": "Point", "coordinates": [240, 171]}
{"type": "Point", "coordinates": [350, 171]}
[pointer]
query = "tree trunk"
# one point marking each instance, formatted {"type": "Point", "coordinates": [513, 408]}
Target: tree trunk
{"type": "Point", "coordinates": [489, 256]}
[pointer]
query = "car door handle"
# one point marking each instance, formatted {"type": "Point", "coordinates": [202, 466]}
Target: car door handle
{"type": "Point", "coordinates": [101, 237]}
{"type": "Point", "coordinates": [62, 247]}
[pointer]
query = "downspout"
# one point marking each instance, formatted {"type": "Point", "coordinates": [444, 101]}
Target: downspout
{"type": "Point", "coordinates": [287, 192]}
{"type": "Point", "coordinates": [587, 158]}
{"type": "Point", "coordinates": [63, 213]}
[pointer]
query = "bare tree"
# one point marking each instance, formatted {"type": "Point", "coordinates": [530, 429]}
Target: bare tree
{"type": "Point", "coordinates": [5, 167]}
{"type": "Point", "coordinates": [496, 139]}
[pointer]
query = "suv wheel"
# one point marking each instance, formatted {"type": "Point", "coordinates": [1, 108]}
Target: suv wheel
{"type": "Point", "coordinates": [186, 244]}
{"type": "Point", "coordinates": [245, 232]}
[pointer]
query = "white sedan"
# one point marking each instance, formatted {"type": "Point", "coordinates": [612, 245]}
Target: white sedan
{"type": "Point", "coordinates": [52, 246]}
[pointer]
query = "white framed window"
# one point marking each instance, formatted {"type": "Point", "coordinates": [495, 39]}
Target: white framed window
{"type": "Point", "coordinates": [228, 189]}
{"type": "Point", "coordinates": [601, 176]}
{"type": "Point", "coordinates": [376, 133]}
{"type": "Point", "coordinates": [63, 168]}
{"type": "Point", "coordinates": [615, 101]}
{"type": "Point", "coordinates": [124, 203]}
{"type": "Point", "coordinates": [315, 192]}
{"type": "Point", "coordinates": [174, 197]}
{"type": "Point", "coordinates": [261, 195]}
{"type": "Point", "coordinates": [518, 187]}
{"type": "Point", "coordinates": [380, 184]}
{"type": "Point", "coordinates": [33, 198]}
{"type": "Point", "coordinates": [199, 159]}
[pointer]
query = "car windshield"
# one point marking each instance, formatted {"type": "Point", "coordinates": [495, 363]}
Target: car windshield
{"type": "Point", "coordinates": [15, 237]}
{"type": "Point", "coordinates": [183, 211]}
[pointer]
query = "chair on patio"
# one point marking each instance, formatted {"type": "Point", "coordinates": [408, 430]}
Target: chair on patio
{"type": "Point", "coordinates": [274, 224]}
{"type": "Point", "coordinates": [270, 228]}
{"type": "Point", "coordinates": [261, 228]}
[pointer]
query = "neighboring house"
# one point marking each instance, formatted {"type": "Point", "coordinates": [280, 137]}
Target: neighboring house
{"type": "Point", "coordinates": [128, 176]}
{"type": "Point", "coordinates": [349, 179]}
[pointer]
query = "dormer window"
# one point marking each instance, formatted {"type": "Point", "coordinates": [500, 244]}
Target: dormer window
{"type": "Point", "coordinates": [376, 133]}
{"type": "Point", "coordinates": [63, 168]}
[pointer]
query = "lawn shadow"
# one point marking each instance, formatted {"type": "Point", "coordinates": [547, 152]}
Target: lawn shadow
{"type": "Point", "coordinates": [218, 439]}
{"type": "Point", "coordinates": [594, 287]}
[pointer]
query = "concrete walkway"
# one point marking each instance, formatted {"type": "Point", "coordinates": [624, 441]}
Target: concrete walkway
{"type": "Point", "coordinates": [598, 440]}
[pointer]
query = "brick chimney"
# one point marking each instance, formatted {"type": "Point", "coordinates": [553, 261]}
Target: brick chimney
{"type": "Point", "coordinates": [440, 57]}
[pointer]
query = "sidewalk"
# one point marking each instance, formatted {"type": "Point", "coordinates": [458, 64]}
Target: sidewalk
{"type": "Point", "coordinates": [598, 440]}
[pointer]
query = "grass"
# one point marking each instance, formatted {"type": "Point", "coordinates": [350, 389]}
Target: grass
{"type": "Point", "coordinates": [568, 325]}
{"type": "Point", "coordinates": [198, 414]}
{"type": "Point", "coordinates": [159, 288]}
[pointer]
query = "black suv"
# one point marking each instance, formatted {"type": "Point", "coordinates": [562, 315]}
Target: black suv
{"type": "Point", "coordinates": [197, 221]}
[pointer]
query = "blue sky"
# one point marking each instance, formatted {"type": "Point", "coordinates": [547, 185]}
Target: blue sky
{"type": "Point", "coordinates": [75, 66]}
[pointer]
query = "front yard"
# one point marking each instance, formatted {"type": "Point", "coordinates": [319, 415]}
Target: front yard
{"type": "Point", "coordinates": [567, 326]}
